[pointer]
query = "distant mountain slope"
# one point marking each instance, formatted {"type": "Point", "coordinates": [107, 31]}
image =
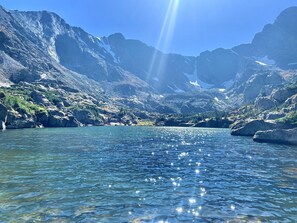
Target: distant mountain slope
{"type": "Point", "coordinates": [41, 46]}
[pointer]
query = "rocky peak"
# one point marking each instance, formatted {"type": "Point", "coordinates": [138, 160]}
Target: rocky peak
{"type": "Point", "coordinates": [287, 20]}
{"type": "Point", "coordinates": [117, 37]}
{"type": "Point", "coordinates": [218, 66]}
{"type": "Point", "coordinates": [43, 24]}
{"type": "Point", "coordinates": [278, 41]}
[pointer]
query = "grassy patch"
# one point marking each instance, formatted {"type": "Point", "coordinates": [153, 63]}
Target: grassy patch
{"type": "Point", "coordinates": [19, 100]}
{"type": "Point", "coordinates": [145, 123]}
{"type": "Point", "coordinates": [290, 118]}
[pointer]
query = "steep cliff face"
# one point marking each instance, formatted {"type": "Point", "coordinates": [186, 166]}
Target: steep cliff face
{"type": "Point", "coordinates": [41, 46]}
{"type": "Point", "coordinates": [174, 73]}
{"type": "Point", "coordinates": [276, 44]}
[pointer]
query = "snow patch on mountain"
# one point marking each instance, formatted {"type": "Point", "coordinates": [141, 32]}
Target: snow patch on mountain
{"type": "Point", "coordinates": [264, 61]}
{"type": "Point", "coordinates": [195, 83]}
{"type": "Point", "coordinates": [204, 85]}
{"type": "Point", "coordinates": [260, 63]}
{"type": "Point", "coordinates": [292, 64]}
{"type": "Point", "coordinates": [108, 50]}
{"type": "Point", "coordinates": [191, 77]}
{"type": "Point", "coordinates": [193, 80]}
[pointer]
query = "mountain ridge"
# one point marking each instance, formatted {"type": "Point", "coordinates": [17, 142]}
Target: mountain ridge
{"type": "Point", "coordinates": [42, 49]}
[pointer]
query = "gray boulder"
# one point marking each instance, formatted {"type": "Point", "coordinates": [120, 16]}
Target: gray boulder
{"type": "Point", "coordinates": [39, 98]}
{"type": "Point", "coordinates": [265, 103]}
{"type": "Point", "coordinates": [42, 118]}
{"type": "Point", "coordinates": [261, 84]}
{"type": "Point", "coordinates": [249, 128]}
{"type": "Point", "coordinates": [62, 121]}
{"type": "Point", "coordinates": [253, 87]}
{"type": "Point", "coordinates": [281, 136]}
{"type": "Point", "coordinates": [15, 120]}
{"type": "Point", "coordinates": [282, 95]}
{"type": "Point", "coordinates": [87, 118]}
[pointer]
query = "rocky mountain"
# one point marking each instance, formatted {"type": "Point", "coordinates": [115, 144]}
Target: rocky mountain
{"type": "Point", "coordinates": [55, 62]}
{"type": "Point", "coordinates": [268, 116]}
{"type": "Point", "coordinates": [117, 60]}
{"type": "Point", "coordinates": [277, 43]}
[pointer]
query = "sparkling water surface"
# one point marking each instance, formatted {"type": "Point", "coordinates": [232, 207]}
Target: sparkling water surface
{"type": "Point", "coordinates": [144, 174]}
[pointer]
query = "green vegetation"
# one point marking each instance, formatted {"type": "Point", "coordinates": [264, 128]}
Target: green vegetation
{"type": "Point", "coordinates": [91, 109]}
{"type": "Point", "coordinates": [145, 123]}
{"type": "Point", "coordinates": [19, 100]}
{"type": "Point", "coordinates": [290, 118]}
{"type": "Point", "coordinates": [52, 97]}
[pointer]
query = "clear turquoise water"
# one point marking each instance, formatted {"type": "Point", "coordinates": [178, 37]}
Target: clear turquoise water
{"type": "Point", "coordinates": [144, 174]}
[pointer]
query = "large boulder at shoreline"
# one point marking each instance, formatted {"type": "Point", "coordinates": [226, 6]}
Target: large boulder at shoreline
{"type": "Point", "coordinates": [249, 128]}
{"type": "Point", "coordinates": [281, 136]}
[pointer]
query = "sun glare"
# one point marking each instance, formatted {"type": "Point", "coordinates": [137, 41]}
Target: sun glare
{"type": "Point", "coordinates": [164, 40]}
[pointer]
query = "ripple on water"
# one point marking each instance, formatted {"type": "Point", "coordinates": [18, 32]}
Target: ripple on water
{"type": "Point", "coordinates": [118, 174]}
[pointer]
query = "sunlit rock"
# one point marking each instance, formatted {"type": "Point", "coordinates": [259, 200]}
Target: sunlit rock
{"type": "Point", "coordinates": [281, 136]}
{"type": "Point", "coordinates": [249, 128]}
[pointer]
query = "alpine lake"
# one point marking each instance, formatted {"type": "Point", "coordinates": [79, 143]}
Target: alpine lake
{"type": "Point", "coordinates": [144, 174]}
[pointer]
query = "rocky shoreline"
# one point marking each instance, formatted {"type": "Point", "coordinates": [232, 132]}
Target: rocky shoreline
{"type": "Point", "coordinates": [38, 105]}
{"type": "Point", "coordinates": [266, 131]}
{"type": "Point", "coordinates": [279, 136]}
{"type": "Point", "coordinates": [260, 130]}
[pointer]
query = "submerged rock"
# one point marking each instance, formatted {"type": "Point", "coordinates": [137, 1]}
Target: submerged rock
{"type": "Point", "coordinates": [281, 136]}
{"type": "Point", "coordinates": [251, 127]}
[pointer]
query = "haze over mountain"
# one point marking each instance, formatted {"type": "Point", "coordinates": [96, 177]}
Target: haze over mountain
{"type": "Point", "coordinates": [40, 47]}
{"type": "Point", "coordinates": [106, 59]}
{"type": "Point", "coordinates": [197, 25]}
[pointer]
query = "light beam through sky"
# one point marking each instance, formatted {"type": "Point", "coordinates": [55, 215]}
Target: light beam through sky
{"type": "Point", "coordinates": [164, 40]}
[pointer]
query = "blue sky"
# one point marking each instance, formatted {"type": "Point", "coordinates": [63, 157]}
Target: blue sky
{"type": "Point", "coordinates": [192, 26]}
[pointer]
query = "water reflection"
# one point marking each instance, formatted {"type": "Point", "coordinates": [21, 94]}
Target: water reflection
{"type": "Point", "coordinates": [144, 175]}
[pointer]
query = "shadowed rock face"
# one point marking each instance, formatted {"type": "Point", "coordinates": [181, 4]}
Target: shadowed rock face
{"type": "Point", "coordinates": [277, 41]}
{"type": "Point", "coordinates": [42, 42]}
{"type": "Point", "coordinates": [218, 66]}
{"type": "Point", "coordinates": [41, 47]}
{"type": "Point", "coordinates": [281, 136]}
{"type": "Point", "coordinates": [3, 114]}
{"type": "Point", "coordinates": [265, 103]}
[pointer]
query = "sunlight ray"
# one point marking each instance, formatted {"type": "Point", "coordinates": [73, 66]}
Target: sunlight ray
{"type": "Point", "coordinates": [165, 37]}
